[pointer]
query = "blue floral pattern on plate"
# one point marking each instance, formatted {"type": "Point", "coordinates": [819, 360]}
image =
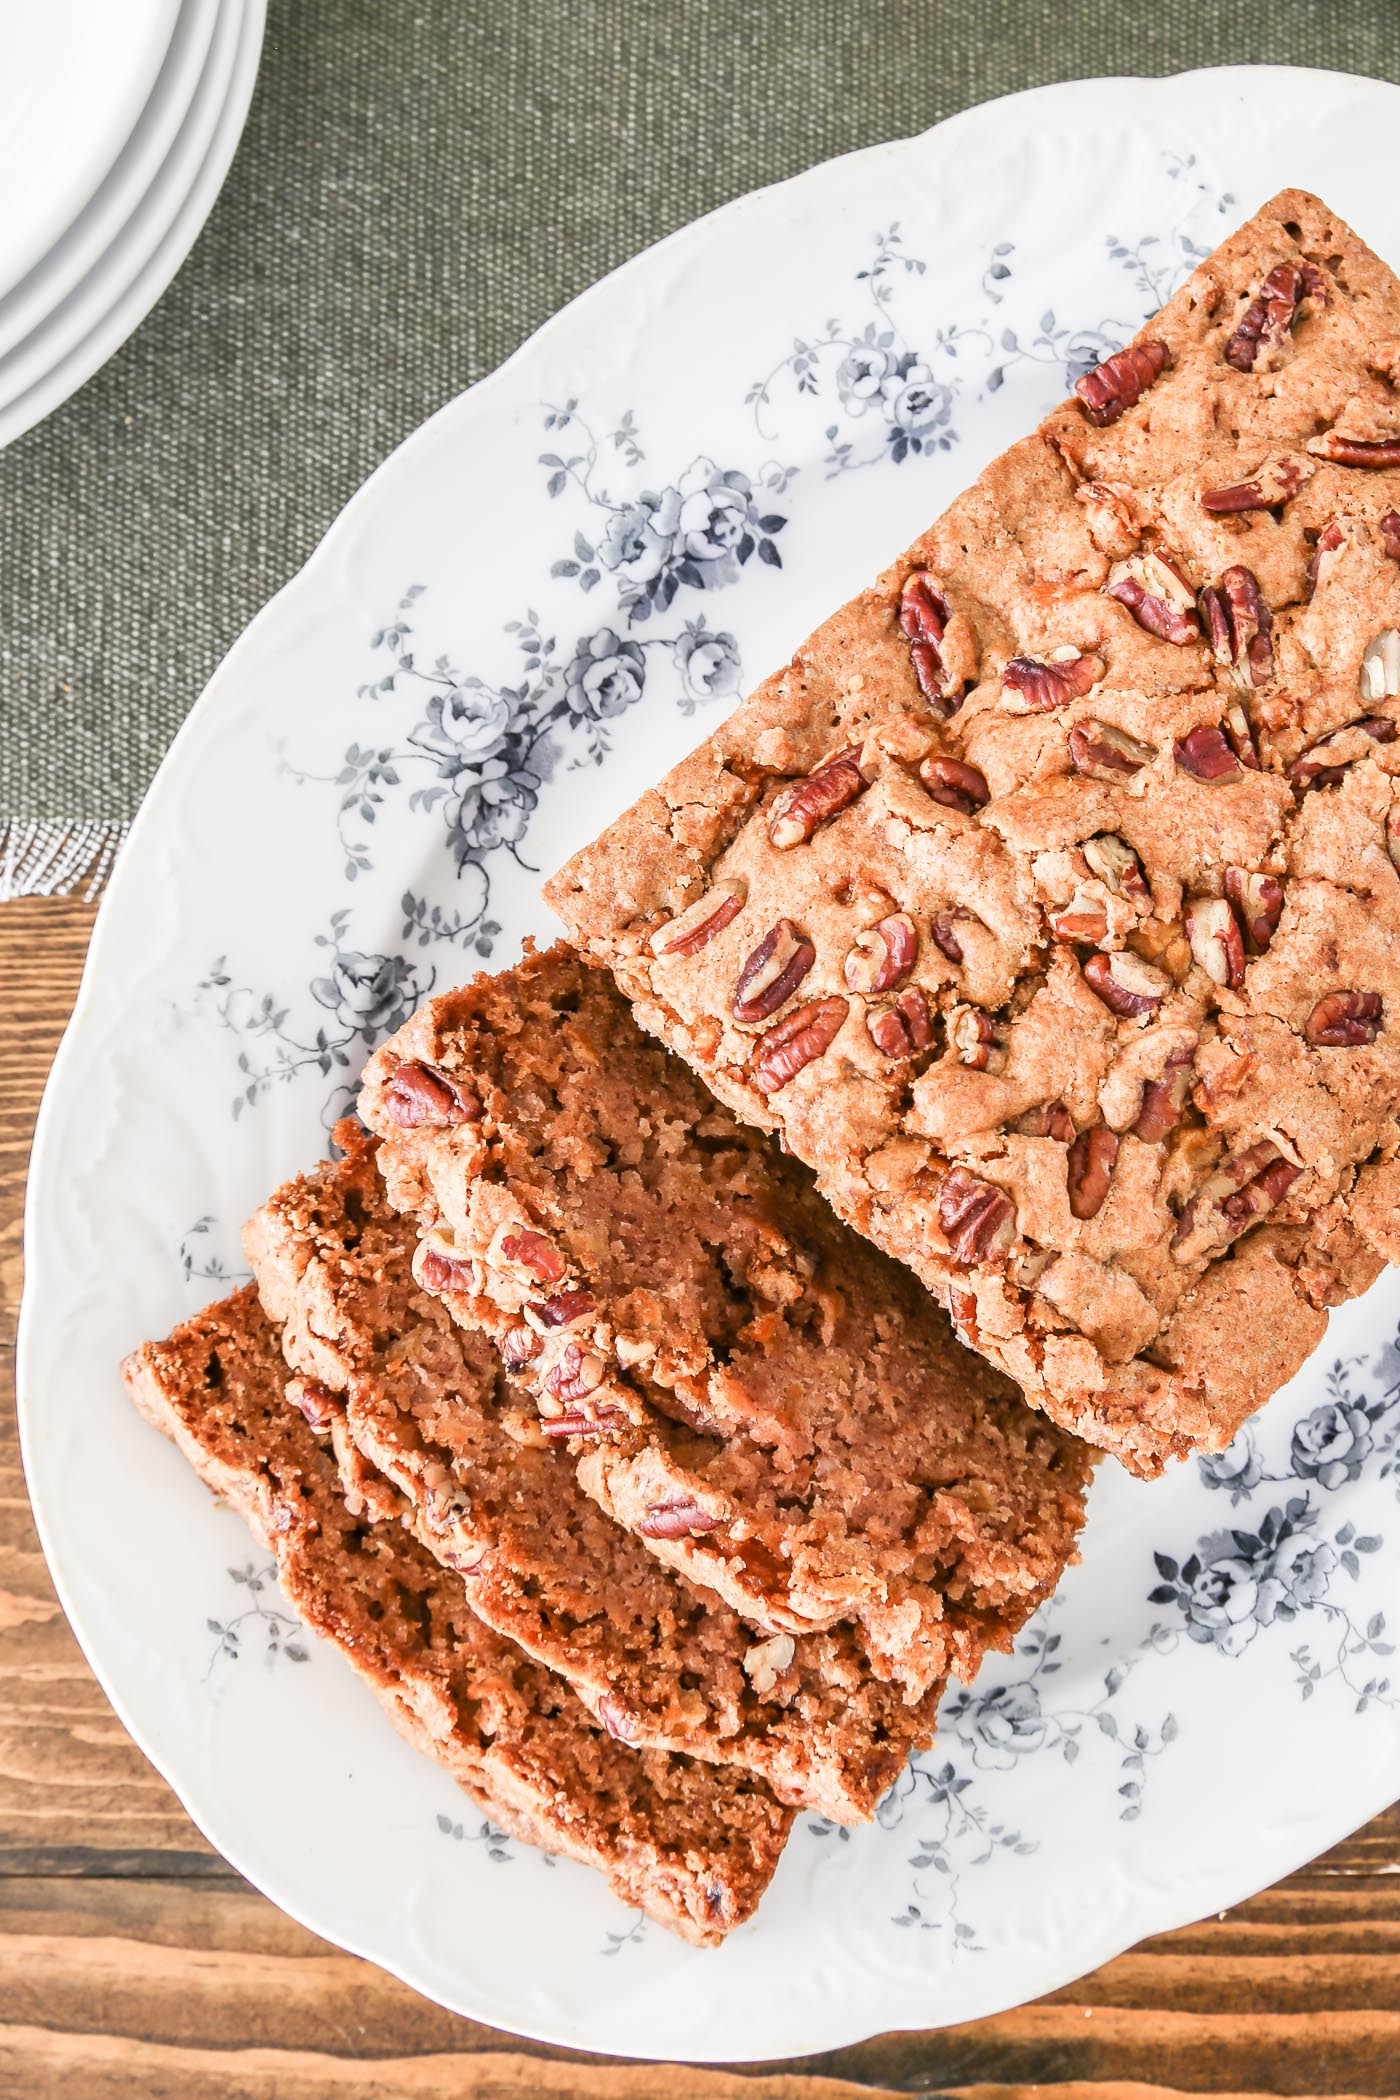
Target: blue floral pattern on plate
{"type": "Point", "coordinates": [473, 758]}
{"type": "Point", "coordinates": [541, 604]}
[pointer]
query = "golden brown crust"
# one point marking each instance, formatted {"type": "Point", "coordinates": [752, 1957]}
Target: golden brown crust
{"type": "Point", "coordinates": [1127, 722]}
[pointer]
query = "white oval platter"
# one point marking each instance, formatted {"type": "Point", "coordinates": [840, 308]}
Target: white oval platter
{"type": "Point", "coordinates": [536, 605]}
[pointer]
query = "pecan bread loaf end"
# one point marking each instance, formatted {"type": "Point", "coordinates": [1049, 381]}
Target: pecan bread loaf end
{"type": "Point", "coordinates": [692, 1846]}
{"type": "Point", "coordinates": [1047, 903]}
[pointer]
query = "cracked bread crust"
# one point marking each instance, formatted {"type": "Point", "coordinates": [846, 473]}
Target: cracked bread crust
{"type": "Point", "coordinates": [1084, 823]}
{"type": "Point", "coordinates": [777, 1410]}
{"type": "Point", "coordinates": [691, 1845]}
{"type": "Point", "coordinates": [396, 1382]}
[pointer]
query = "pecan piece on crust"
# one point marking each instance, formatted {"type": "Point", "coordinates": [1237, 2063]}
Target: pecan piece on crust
{"type": "Point", "coordinates": [436, 1269]}
{"type": "Point", "coordinates": [1379, 678]}
{"type": "Point", "coordinates": [1217, 944]}
{"type": "Point", "coordinates": [1240, 1190]}
{"type": "Point", "coordinates": [1051, 1119]}
{"type": "Point", "coordinates": [1271, 485]}
{"type": "Point", "coordinates": [1344, 1020]}
{"type": "Point", "coordinates": [564, 1309]}
{"type": "Point", "coordinates": [972, 1036]}
{"type": "Point", "coordinates": [693, 928]}
{"type": "Point", "coordinates": [924, 615]}
{"type": "Point", "coordinates": [1083, 919]}
{"type": "Point", "coordinates": [1269, 1186]}
{"type": "Point", "coordinates": [978, 1219]}
{"type": "Point", "coordinates": [1390, 534]}
{"type": "Point", "coordinates": [883, 955]}
{"type": "Point", "coordinates": [1117, 866]}
{"type": "Point", "coordinates": [1355, 452]}
{"type": "Point", "coordinates": [1089, 1169]}
{"type": "Point", "coordinates": [682, 1518]}
{"type": "Point", "coordinates": [1113, 514]}
{"type": "Point", "coordinates": [1038, 685]}
{"type": "Point", "coordinates": [1106, 752]}
{"type": "Point", "coordinates": [804, 805]}
{"type": "Point", "coordinates": [1157, 595]}
{"type": "Point", "coordinates": [955, 784]}
{"type": "Point", "coordinates": [421, 1097]}
{"type": "Point", "coordinates": [766, 1663]}
{"type": "Point", "coordinates": [1329, 542]}
{"type": "Point", "coordinates": [1258, 902]}
{"type": "Point", "coordinates": [905, 1028]}
{"type": "Point", "coordinates": [787, 1049]}
{"type": "Point", "coordinates": [519, 1346]}
{"type": "Point", "coordinates": [617, 1718]}
{"type": "Point", "coordinates": [316, 1402]}
{"type": "Point", "coordinates": [942, 932]}
{"type": "Point", "coordinates": [1261, 338]}
{"type": "Point", "coordinates": [1116, 385]}
{"type": "Point", "coordinates": [578, 1373]}
{"type": "Point", "coordinates": [535, 1254]}
{"type": "Point", "coordinates": [581, 1421]}
{"type": "Point", "coordinates": [1238, 733]}
{"type": "Point", "coordinates": [1239, 626]}
{"type": "Point", "coordinates": [1163, 1100]}
{"type": "Point", "coordinates": [1324, 764]}
{"type": "Point", "coordinates": [1205, 754]}
{"type": "Point", "coordinates": [772, 973]}
{"type": "Point", "coordinates": [1127, 985]}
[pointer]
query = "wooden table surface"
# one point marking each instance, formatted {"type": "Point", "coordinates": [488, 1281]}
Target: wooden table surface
{"type": "Point", "coordinates": [133, 1962]}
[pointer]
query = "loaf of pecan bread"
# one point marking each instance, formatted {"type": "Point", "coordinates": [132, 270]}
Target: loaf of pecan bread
{"type": "Point", "coordinates": [781, 1413]}
{"type": "Point", "coordinates": [1047, 902]}
{"type": "Point", "coordinates": [399, 1385]}
{"type": "Point", "coordinates": [693, 1845]}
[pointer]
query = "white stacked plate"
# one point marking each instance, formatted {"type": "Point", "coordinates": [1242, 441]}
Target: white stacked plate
{"type": "Point", "coordinates": [117, 128]}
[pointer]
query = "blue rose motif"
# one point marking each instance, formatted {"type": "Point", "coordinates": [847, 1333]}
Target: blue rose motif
{"type": "Point", "coordinates": [1386, 1370]}
{"type": "Point", "coordinates": [465, 722]}
{"type": "Point", "coordinates": [1239, 1468]}
{"type": "Point", "coordinates": [639, 540]}
{"type": "Point", "coordinates": [1222, 1597]}
{"type": "Point", "coordinates": [1000, 1726]}
{"type": "Point", "coordinates": [1237, 1581]}
{"type": "Point", "coordinates": [715, 514]}
{"type": "Point", "coordinates": [860, 377]}
{"type": "Point", "coordinates": [708, 663]}
{"type": "Point", "coordinates": [914, 399]}
{"type": "Point", "coordinates": [1332, 1444]}
{"type": "Point", "coordinates": [917, 406]}
{"type": "Point", "coordinates": [606, 676]}
{"type": "Point", "coordinates": [697, 531]}
{"type": "Point", "coordinates": [493, 809]}
{"type": "Point", "coordinates": [1300, 1572]}
{"type": "Point", "coordinates": [368, 994]}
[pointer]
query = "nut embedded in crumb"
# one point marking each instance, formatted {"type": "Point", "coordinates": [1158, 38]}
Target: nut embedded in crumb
{"type": "Point", "coordinates": [765, 1663]}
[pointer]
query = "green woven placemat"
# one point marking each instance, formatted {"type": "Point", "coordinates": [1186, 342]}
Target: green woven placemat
{"type": "Point", "coordinates": [421, 183]}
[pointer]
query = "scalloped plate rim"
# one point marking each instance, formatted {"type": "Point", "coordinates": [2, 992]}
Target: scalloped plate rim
{"type": "Point", "coordinates": [1323, 1829]}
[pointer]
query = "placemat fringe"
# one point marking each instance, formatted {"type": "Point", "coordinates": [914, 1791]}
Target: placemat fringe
{"type": "Point", "coordinates": [53, 858]}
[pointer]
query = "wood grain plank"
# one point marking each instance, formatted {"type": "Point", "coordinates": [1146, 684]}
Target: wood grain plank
{"type": "Point", "coordinates": [134, 1962]}
{"type": "Point", "coordinates": [104, 2071]}
{"type": "Point", "coordinates": [102, 2068]}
